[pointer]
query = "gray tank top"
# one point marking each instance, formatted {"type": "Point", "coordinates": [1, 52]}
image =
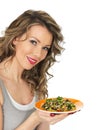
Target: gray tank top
{"type": "Point", "coordinates": [12, 116]}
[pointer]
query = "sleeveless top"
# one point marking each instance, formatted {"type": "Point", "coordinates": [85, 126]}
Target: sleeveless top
{"type": "Point", "coordinates": [14, 114]}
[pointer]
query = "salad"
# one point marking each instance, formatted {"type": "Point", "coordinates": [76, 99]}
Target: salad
{"type": "Point", "coordinates": [58, 104]}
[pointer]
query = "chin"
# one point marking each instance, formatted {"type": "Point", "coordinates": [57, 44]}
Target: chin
{"type": "Point", "coordinates": [29, 68]}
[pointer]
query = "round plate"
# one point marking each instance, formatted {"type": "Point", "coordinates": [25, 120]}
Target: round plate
{"type": "Point", "coordinates": [78, 104]}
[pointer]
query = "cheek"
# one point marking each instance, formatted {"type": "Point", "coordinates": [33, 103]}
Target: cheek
{"type": "Point", "coordinates": [19, 51]}
{"type": "Point", "coordinates": [44, 55]}
{"type": "Point", "coordinates": [22, 48]}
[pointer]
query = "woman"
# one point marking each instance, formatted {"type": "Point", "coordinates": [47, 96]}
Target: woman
{"type": "Point", "coordinates": [27, 50]}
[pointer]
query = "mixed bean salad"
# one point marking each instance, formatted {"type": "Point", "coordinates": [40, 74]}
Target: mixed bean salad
{"type": "Point", "coordinates": [58, 104]}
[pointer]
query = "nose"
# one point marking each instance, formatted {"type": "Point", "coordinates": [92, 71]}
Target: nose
{"type": "Point", "coordinates": [37, 52]}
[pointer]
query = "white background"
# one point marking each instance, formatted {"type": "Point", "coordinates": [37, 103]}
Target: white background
{"type": "Point", "coordinates": [76, 75]}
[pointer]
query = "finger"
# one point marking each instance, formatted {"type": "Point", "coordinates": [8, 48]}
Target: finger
{"type": "Point", "coordinates": [73, 112]}
{"type": "Point", "coordinates": [58, 118]}
{"type": "Point", "coordinates": [52, 114]}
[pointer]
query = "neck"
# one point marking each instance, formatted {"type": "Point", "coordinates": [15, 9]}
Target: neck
{"type": "Point", "coordinates": [12, 70]}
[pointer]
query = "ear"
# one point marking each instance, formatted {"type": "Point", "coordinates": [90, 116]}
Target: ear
{"type": "Point", "coordinates": [15, 41]}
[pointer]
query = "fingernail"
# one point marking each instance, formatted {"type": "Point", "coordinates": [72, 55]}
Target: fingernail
{"type": "Point", "coordinates": [52, 114]}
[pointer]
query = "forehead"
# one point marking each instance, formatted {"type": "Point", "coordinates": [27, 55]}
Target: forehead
{"type": "Point", "coordinates": [40, 32]}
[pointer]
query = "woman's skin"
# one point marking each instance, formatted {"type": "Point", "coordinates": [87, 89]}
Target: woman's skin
{"type": "Point", "coordinates": [31, 48]}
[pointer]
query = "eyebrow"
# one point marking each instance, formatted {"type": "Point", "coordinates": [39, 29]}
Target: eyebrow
{"type": "Point", "coordinates": [40, 41]}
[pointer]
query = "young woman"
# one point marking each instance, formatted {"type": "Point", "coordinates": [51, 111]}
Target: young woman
{"type": "Point", "coordinates": [27, 50]}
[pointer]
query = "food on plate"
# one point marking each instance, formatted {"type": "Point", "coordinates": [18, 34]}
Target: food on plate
{"type": "Point", "coordinates": [58, 104]}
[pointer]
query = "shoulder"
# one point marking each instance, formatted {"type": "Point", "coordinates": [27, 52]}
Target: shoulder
{"type": "Point", "coordinates": [1, 97]}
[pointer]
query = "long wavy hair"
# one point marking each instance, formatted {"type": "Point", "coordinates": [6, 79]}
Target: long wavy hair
{"type": "Point", "coordinates": [38, 76]}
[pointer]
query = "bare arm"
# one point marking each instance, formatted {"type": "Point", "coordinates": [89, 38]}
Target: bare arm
{"type": "Point", "coordinates": [30, 123]}
{"type": "Point", "coordinates": [35, 121]}
{"type": "Point", "coordinates": [43, 126]}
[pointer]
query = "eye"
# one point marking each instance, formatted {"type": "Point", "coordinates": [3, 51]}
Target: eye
{"type": "Point", "coordinates": [33, 42]}
{"type": "Point", "coordinates": [46, 48]}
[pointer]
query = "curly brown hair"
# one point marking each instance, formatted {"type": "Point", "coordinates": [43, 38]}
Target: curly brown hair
{"type": "Point", "coordinates": [37, 76]}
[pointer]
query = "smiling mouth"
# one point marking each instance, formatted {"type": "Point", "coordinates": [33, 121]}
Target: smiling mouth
{"type": "Point", "coordinates": [31, 60]}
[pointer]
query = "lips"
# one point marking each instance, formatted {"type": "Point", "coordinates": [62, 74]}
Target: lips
{"type": "Point", "coordinates": [31, 60]}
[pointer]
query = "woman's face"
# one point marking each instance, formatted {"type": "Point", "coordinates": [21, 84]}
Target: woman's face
{"type": "Point", "coordinates": [34, 48]}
